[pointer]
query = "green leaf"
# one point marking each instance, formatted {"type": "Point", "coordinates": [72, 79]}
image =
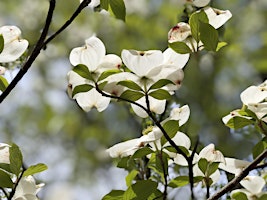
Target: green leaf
{"type": "Point", "coordinates": [262, 197]}
{"type": "Point", "coordinates": [102, 85]}
{"type": "Point", "coordinates": [259, 147]}
{"type": "Point", "coordinates": [81, 88]}
{"type": "Point", "coordinates": [141, 190]}
{"type": "Point", "coordinates": [238, 122]}
{"type": "Point", "coordinates": [171, 127]}
{"type": "Point", "coordinates": [212, 168]}
{"type": "Point", "coordinates": [179, 181]}
{"type": "Point", "coordinates": [239, 196]}
{"type": "Point", "coordinates": [160, 94]}
{"type": "Point", "coordinates": [35, 169]}
{"type": "Point", "coordinates": [203, 165]}
{"type": "Point", "coordinates": [16, 159]}
{"type": "Point", "coordinates": [108, 73]}
{"type": "Point", "coordinates": [194, 22]}
{"type": "Point", "coordinates": [5, 167]}
{"type": "Point", "coordinates": [1, 43]}
{"type": "Point", "coordinates": [221, 45]}
{"type": "Point", "coordinates": [131, 95]}
{"type": "Point", "coordinates": [118, 8]}
{"type": "Point", "coordinates": [104, 4]}
{"type": "Point", "coordinates": [160, 83]}
{"type": "Point", "coordinates": [140, 153]}
{"type": "Point", "coordinates": [83, 71]}
{"type": "Point", "coordinates": [3, 83]}
{"type": "Point", "coordinates": [114, 195]}
{"type": "Point", "coordinates": [209, 36]}
{"type": "Point", "coordinates": [180, 47]}
{"type": "Point", "coordinates": [130, 177]}
{"type": "Point", "coordinates": [6, 181]}
{"type": "Point", "coordinates": [130, 84]}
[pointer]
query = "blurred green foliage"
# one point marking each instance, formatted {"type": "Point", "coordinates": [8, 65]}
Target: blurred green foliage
{"type": "Point", "coordinates": [38, 114]}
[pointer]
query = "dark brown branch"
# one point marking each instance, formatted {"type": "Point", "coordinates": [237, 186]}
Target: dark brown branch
{"type": "Point", "coordinates": [42, 43]}
{"type": "Point", "coordinates": [34, 54]}
{"type": "Point", "coordinates": [237, 179]}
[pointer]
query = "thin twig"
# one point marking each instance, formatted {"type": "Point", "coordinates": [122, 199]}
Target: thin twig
{"type": "Point", "coordinates": [34, 54]}
{"type": "Point", "coordinates": [42, 43]}
{"type": "Point", "coordinates": [5, 192]}
{"type": "Point", "coordinates": [238, 178]}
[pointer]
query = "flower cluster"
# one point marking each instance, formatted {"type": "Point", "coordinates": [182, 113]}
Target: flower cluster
{"type": "Point", "coordinates": [12, 177]}
{"type": "Point", "coordinates": [151, 76]}
{"type": "Point", "coordinates": [194, 34]}
{"type": "Point", "coordinates": [254, 109]}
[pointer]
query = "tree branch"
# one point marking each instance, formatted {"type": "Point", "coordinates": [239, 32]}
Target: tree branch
{"type": "Point", "coordinates": [41, 43]}
{"type": "Point", "coordinates": [238, 178]}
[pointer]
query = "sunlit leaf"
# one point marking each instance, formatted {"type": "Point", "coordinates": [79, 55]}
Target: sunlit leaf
{"type": "Point", "coordinates": [239, 196]}
{"type": "Point", "coordinates": [16, 159]}
{"type": "Point", "coordinates": [212, 168]}
{"type": "Point", "coordinates": [209, 36]}
{"type": "Point", "coordinates": [130, 177]}
{"type": "Point", "coordinates": [203, 165]}
{"type": "Point", "coordinates": [81, 88]}
{"type": "Point", "coordinates": [238, 122]}
{"type": "Point", "coordinates": [104, 4]}
{"type": "Point", "coordinates": [194, 22]}
{"type": "Point", "coordinates": [3, 83]}
{"type": "Point", "coordinates": [179, 181]}
{"type": "Point", "coordinates": [35, 169]}
{"type": "Point", "coordinates": [160, 94]}
{"type": "Point", "coordinates": [221, 45]}
{"type": "Point", "coordinates": [141, 190]}
{"type": "Point", "coordinates": [180, 47]}
{"type": "Point", "coordinates": [142, 152]}
{"type": "Point", "coordinates": [108, 73]}
{"type": "Point", "coordinates": [1, 43]}
{"type": "Point", "coordinates": [6, 181]}
{"type": "Point", "coordinates": [118, 9]}
{"type": "Point", "coordinates": [131, 95]}
{"type": "Point", "coordinates": [171, 127]}
{"type": "Point", "coordinates": [114, 195]}
{"type": "Point", "coordinates": [130, 84]}
{"type": "Point", "coordinates": [83, 71]}
{"type": "Point", "coordinates": [160, 83]}
{"type": "Point", "coordinates": [259, 147]}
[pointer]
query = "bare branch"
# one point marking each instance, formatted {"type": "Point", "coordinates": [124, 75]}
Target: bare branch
{"type": "Point", "coordinates": [238, 178]}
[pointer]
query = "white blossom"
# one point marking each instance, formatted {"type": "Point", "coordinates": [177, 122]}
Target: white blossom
{"type": "Point", "coordinates": [14, 47]}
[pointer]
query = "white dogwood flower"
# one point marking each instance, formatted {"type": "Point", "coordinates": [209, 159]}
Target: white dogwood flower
{"type": "Point", "coordinates": [27, 189]}
{"type": "Point", "coordinates": [253, 186]}
{"type": "Point", "coordinates": [217, 17]}
{"type": "Point", "coordinates": [93, 56]}
{"type": "Point", "coordinates": [14, 47]}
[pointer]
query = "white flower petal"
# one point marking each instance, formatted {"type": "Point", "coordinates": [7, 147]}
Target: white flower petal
{"type": "Point", "coordinates": [4, 153]}
{"type": "Point", "coordinates": [180, 139]}
{"type": "Point", "coordinates": [13, 50]}
{"type": "Point", "coordinates": [176, 59]}
{"type": "Point", "coordinates": [253, 94]}
{"type": "Point", "coordinates": [124, 149]}
{"type": "Point", "coordinates": [10, 33]}
{"type": "Point", "coordinates": [211, 154]}
{"type": "Point", "coordinates": [179, 32]}
{"type": "Point", "coordinates": [110, 61]}
{"type": "Point", "coordinates": [181, 114]}
{"type": "Point", "coordinates": [201, 3]}
{"type": "Point", "coordinates": [90, 99]}
{"type": "Point", "coordinates": [90, 55]}
{"type": "Point", "coordinates": [260, 109]}
{"type": "Point", "coordinates": [217, 17]}
{"type": "Point", "coordinates": [141, 62]}
{"type": "Point", "coordinates": [233, 165]}
{"type": "Point", "coordinates": [254, 184]}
